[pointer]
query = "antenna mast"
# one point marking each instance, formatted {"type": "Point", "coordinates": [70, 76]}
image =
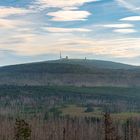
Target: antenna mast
{"type": "Point", "coordinates": [60, 55]}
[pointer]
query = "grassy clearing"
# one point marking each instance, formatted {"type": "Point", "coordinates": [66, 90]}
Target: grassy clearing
{"type": "Point", "coordinates": [77, 111]}
{"type": "Point", "coordinates": [125, 115]}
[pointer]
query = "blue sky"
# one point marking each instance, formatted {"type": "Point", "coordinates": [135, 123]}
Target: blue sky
{"type": "Point", "coordinates": [37, 30]}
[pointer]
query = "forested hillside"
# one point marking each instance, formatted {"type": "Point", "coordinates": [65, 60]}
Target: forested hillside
{"type": "Point", "coordinates": [71, 72]}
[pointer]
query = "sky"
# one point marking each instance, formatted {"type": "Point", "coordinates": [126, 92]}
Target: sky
{"type": "Point", "coordinates": [37, 30]}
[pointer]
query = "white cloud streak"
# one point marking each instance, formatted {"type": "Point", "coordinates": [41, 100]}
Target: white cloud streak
{"type": "Point", "coordinates": [8, 11]}
{"type": "Point", "coordinates": [125, 31]}
{"type": "Point", "coordinates": [65, 30]}
{"type": "Point", "coordinates": [118, 25]}
{"type": "Point", "coordinates": [131, 18]}
{"type": "Point", "coordinates": [133, 5]}
{"type": "Point", "coordinates": [64, 15]}
{"type": "Point", "coordinates": [63, 3]}
{"type": "Point", "coordinates": [123, 28]}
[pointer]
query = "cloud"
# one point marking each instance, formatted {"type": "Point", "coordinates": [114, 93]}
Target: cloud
{"type": "Point", "coordinates": [118, 25]}
{"type": "Point", "coordinates": [24, 41]}
{"type": "Point", "coordinates": [68, 9]}
{"type": "Point", "coordinates": [131, 18]}
{"type": "Point", "coordinates": [65, 30]}
{"type": "Point", "coordinates": [125, 31]}
{"type": "Point", "coordinates": [9, 24]}
{"type": "Point", "coordinates": [34, 44]}
{"type": "Point", "coordinates": [123, 28]}
{"type": "Point", "coordinates": [7, 21]}
{"type": "Point", "coordinates": [117, 47]}
{"type": "Point", "coordinates": [133, 5]}
{"type": "Point", "coordinates": [64, 15]}
{"type": "Point", "coordinates": [63, 3]}
{"type": "Point", "coordinates": [8, 11]}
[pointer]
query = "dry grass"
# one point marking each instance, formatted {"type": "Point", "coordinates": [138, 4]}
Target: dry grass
{"type": "Point", "coordinates": [77, 111]}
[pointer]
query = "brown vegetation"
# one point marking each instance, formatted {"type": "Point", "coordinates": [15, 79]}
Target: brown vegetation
{"type": "Point", "coordinates": [66, 128]}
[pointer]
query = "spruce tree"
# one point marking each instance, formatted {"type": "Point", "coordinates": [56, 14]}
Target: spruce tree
{"type": "Point", "coordinates": [22, 130]}
{"type": "Point", "coordinates": [110, 133]}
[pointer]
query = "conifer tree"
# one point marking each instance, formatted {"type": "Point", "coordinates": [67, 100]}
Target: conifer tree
{"type": "Point", "coordinates": [22, 130]}
{"type": "Point", "coordinates": [110, 133]}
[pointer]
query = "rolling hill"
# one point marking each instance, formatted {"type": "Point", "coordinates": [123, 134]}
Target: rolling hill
{"type": "Point", "coordinates": [76, 72]}
{"type": "Point", "coordinates": [95, 63]}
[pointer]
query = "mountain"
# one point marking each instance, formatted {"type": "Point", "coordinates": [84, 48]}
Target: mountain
{"type": "Point", "coordinates": [96, 63]}
{"type": "Point", "coordinates": [75, 72]}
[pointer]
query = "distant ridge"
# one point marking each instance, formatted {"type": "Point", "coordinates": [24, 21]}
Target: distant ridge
{"type": "Point", "coordinates": [73, 72]}
{"type": "Point", "coordinates": [95, 63]}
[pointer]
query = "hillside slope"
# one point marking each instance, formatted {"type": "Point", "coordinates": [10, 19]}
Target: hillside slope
{"type": "Point", "coordinates": [95, 63]}
{"type": "Point", "coordinates": [71, 72]}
